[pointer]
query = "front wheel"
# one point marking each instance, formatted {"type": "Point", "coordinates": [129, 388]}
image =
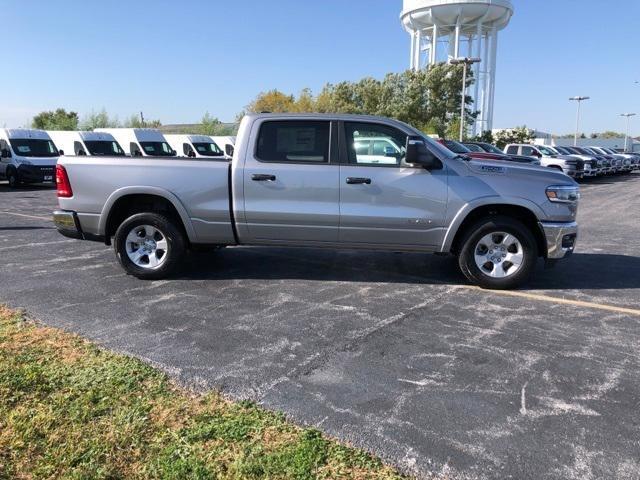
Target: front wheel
{"type": "Point", "coordinates": [498, 253]}
{"type": "Point", "coordinates": [149, 246]}
{"type": "Point", "coordinates": [12, 178]}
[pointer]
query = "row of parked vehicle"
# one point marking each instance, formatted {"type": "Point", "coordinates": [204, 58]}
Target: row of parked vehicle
{"type": "Point", "coordinates": [30, 156]}
{"type": "Point", "coordinates": [577, 162]}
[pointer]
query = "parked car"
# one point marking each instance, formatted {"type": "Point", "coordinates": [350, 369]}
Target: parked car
{"type": "Point", "coordinates": [488, 148]}
{"type": "Point", "coordinates": [603, 165]}
{"type": "Point", "coordinates": [630, 162]}
{"type": "Point", "coordinates": [283, 189]}
{"type": "Point", "coordinates": [27, 156]}
{"type": "Point", "coordinates": [591, 164]}
{"type": "Point", "coordinates": [461, 149]}
{"type": "Point", "coordinates": [226, 143]}
{"type": "Point", "coordinates": [617, 163]}
{"type": "Point", "coordinates": [195, 146]}
{"type": "Point", "coordinates": [92, 144]}
{"type": "Point", "coordinates": [141, 142]}
{"type": "Point", "coordinates": [548, 158]}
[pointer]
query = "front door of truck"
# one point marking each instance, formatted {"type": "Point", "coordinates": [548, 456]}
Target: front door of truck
{"type": "Point", "coordinates": [291, 190]}
{"type": "Point", "coordinates": [383, 200]}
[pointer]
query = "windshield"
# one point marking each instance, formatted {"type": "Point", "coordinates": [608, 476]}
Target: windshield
{"type": "Point", "coordinates": [474, 148]}
{"type": "Point", "coordinates": [102, 147]}
{"type": "Point", "coordinates": [456, 147]}
{"type": "Point", "coordinates": [157, 149]}
{"type": "Point", "coordinates": [491, 148]}
{"type": "Point", "coordinates": [208, 149]}
{"type": "Point", "coordinates": [546, 150]}
{"type": "Point", "coordinates": [31, 147]}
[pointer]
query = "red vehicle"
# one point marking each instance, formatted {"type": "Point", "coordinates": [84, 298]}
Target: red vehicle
{"type": "Point", "coordinates": [457, 147]}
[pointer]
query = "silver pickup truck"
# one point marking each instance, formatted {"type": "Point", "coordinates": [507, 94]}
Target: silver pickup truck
{"type": "Point", "coordinates": [339, 181]}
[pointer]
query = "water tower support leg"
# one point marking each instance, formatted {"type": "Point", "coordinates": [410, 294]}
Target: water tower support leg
{"type": "Point", "coordinates": [434, 45]}
{"type": "Point", "coordinates": [493, 58]}
{"type": "Point", "coordinates": [476, 97]}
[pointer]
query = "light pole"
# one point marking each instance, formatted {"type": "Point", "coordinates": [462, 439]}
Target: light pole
{"type": "Point", "coordinates": [626, 137]}
{"type": "Point", "coordinates": [466, 62]}
{"type": "Point", "coordinates": [579, 100]}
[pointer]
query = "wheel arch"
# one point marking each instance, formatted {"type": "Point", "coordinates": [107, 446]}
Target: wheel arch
{"type": "Point", "coordinates": [128, 201]}
{"type": "Point", "coordinates": [471, 215]}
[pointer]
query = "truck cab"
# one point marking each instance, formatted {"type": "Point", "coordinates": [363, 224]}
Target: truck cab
{"type": "Point", "coordinates": [92, 144]}
{"type": "Point", "coordinates": [27, 156]}
{"type": "Point", "coordinates": [195, 146]}
{"type": "Point", "coordinates": [140, 142]}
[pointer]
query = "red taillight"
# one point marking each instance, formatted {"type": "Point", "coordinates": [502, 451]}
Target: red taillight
{"type": "Point", "coordinates": [62, 181]}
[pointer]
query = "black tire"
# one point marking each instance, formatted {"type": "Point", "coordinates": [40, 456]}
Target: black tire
{"type": "Point", "coordinates": [169, 230]}
{"type": "Point", "coordinates": [13, 178]}
{"type": "Point", "coordinates": [473, 235]}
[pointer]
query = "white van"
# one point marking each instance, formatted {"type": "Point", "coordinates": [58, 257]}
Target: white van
{"type": "Point", "coordinates": [92, 144]}
{"type": "Point", "coordinates": [227, 144]}
{"type": "Point", "coordinates": [141, 142]}
{"type": "Point", "coordinates": [195, 146]}
{"type": "Point", "coordinates": [27, 156]}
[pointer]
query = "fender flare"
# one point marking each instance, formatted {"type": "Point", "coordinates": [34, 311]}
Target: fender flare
{"type": "Point", "coordinates": [140, 190]}
{"type": "Point", "coordinates": [462, 214]}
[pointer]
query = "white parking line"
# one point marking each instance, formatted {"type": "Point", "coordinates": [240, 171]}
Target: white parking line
{"type": "Point", "coordinates": [48, 219]}
{"type": "Point", "coordinates": [561, 301]}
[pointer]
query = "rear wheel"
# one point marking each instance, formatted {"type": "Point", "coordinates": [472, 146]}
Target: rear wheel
{"type": "Point", "coordinates": [498, 253]}
{"type": "Point", "coordinates": [149, 246]}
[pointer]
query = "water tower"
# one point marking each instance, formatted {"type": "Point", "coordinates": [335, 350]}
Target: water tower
{"type": "Point", "coordinates": [445, 29]}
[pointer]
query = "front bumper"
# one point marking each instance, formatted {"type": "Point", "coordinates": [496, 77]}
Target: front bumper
{"type": "Point", "coordinates": [37, 174]}
{"type": "Point", "coordinates": [561, 239]}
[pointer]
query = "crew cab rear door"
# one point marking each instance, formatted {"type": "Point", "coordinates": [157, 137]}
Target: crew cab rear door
{"type": "Point", "coordinates": [384, 201]}
{"type": "Point", "coordinates": [291, 185]}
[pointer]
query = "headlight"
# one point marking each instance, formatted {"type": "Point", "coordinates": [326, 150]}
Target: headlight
{"type": "Point", "coordinates": [563, 193]}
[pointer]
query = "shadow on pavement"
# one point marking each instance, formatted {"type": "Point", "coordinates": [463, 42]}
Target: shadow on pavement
{"type": "Point", "coordinates": [581, 271]}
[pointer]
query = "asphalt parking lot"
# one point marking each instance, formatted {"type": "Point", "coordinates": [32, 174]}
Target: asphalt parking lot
{"type": "Point", "coordinates": [391, 352]}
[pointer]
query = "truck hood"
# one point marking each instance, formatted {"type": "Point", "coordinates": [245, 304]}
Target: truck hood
{"type": "Point", "coordinates": [39, 161]}
{"type": "Point", "coordinates": [513, 169]}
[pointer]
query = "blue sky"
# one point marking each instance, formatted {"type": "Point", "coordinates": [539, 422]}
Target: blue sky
{"type": "Point", "coordinates": [176, 60]}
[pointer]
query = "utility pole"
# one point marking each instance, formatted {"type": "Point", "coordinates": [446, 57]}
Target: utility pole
{"type": "Point", "coordinates": [142, 119]}
{"type": "Point", "coordinates": [579, 100]}
{"type": "Point", "coordinates": [466, 62]}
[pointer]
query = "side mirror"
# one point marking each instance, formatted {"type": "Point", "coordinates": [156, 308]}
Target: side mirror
{"type": "Point", "coordinates": [228, 149]}
{"type": "Point", "coordinates": [192, 154]}
{"type": "Point", "coordinates": [6, 153]}
{"type": "Point", "coordinates": [61, 152]}
{"type": "Point", "coordinates": [419, 154]}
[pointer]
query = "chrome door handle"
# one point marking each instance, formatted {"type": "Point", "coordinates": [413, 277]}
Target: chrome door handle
{"type": "Point", "coordinates": [358, 181]}
{"type": "Point", "coordinates": [261, 177]}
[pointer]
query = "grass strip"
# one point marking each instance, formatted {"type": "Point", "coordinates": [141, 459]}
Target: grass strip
{"type": "Point", "coordinates": [69, 409]}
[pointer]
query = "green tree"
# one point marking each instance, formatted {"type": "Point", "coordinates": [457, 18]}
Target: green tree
{"type": "Point", "coordinates": [59, 119]}
{"type": "Point", "coordinates": [513, 135]}
{"type": "Point", "coordinates": [99, 119]}
{"type": "Point", "coordinates": [272, 101]}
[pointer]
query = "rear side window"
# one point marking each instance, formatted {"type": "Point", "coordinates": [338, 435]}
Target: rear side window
{"type": "Point", "coordinates": [527, 151]}
{"type": "Point", "coordinates": [294, 141]}
{"type": "Point", "coordinates": [512, 150]}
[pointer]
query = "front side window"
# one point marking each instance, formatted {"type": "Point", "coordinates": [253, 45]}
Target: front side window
{"type": "Point", "coordinates": [208, 149]}
{"type": "Point", "coordinates": [294, 141]}
{"type": "Point", "coordinates": [157, 149]}
{"type": "Point", "coordinates": [512, 150]}
{"type": "Point", "coordinates": [528, 151]}
{"type": "Point", "coordinates": [372, 144]}
{"type": "Point", "coordinates": [31, 147]}
{"type": "Point", "coordinates": [104, 148]}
